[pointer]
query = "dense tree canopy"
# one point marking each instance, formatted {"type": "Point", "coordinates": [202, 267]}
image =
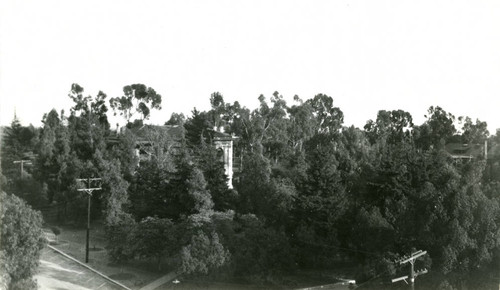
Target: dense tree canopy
{"type": "Point", "coordinates": [308, 192]}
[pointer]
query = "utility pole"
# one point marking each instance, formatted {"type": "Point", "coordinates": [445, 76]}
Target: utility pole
{"type": "Point", "coordinates": [412, 275]}
{"type": "Point", "coordinates": [89, 191]}
{"type": "Point", "coordinates": [27, 162]}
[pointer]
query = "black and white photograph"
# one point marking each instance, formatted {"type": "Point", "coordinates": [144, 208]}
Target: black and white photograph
{"type": "Point", "coordinates": [249, 144]}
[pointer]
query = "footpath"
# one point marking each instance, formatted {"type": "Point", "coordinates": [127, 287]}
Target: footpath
{"type": "Point", "coordinates": [160, 281]}
{"type": "Point", "coordinates": [59, 270]}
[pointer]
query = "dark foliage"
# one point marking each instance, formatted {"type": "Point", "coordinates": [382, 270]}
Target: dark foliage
{"type": "Point", "coordinates": [309, 192]}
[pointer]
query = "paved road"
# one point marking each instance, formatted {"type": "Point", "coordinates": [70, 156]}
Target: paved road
{"type": "Point", "coordinates": [58, 272]}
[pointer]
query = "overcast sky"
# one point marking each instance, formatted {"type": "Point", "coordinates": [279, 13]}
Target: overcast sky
{"type": "Point", "coordinates": [367, 55]}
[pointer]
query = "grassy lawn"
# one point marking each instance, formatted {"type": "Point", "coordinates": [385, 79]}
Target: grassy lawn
{"type": "Point", "coordinates": [133, 274]}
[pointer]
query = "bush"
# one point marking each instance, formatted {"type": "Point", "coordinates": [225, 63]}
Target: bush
{"type": "Point", "coordinates": [117, 243]}
{"type": "Point", "coordinates": [152, 238]}
{"type": "Point", "coordinates": [203, 254]}
{"type": "Point", "coordinates": [21, 241]}
{"type": "Point", "coordinates": [261, 252]}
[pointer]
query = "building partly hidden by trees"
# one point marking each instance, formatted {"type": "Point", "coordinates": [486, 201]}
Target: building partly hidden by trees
{"type": "Point", "coordinates": [21, 242]}
{"type": "Point", "coordinates": [308, 191]}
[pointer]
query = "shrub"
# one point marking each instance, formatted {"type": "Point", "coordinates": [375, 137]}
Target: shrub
{"type": "Point", "coordinates": [21, 241]}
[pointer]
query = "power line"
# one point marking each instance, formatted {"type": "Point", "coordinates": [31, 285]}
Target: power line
{"type": "Point", "coordinates": [373, 278]}
{"type": "Point", "coordinates": [22, 162]}
{"type": "Point", "coordinates": [377, 276]}
{"type": "Point", "coordinates": [89, 189]}
{"type": "Point", "coordinates": [413, 274]}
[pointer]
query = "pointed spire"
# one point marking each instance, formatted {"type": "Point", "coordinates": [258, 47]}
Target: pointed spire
{"type": "Point", "coordinates": [15, 121]}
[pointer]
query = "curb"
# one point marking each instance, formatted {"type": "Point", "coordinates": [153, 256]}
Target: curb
{"type": "Point", "coordinates": [161, 281]}
{"type": "Point", "coordinates": [88, 267]}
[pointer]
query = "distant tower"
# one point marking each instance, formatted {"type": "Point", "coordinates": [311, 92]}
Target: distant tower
{"type": "Point", "coordinates": [15, 120]}
{"type": "Point", "coordinates": [224, 142]}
